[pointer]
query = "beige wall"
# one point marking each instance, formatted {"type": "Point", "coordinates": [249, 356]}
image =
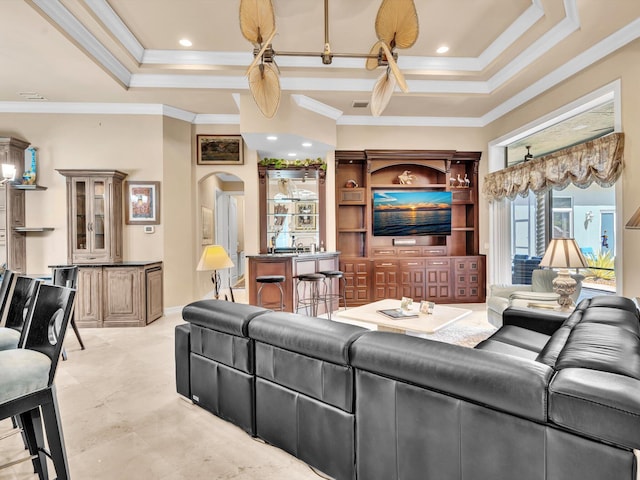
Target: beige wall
{"type": "Point", "coordinates": [163, 149]}
{"type": "Point", "coordinates": [623, 65]}
{"type": "Point", "coordinates": [177, 223]}
{"type": "Point", "coordinates": [132, 144]}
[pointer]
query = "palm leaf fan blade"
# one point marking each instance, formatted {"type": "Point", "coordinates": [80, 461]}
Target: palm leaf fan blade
{"type": "Point", "coordinates": [257, 20]}
{"type": "Point", "coordinates": [382, 92]}
{"type": "Point", "coordinates": [372, 62]}
{"type": "Point", "coordinates": [397, 23]}
{"type": "Point", "coordinates": [265, 88]}
{"type": "Point", "coordinates": [394, 68]}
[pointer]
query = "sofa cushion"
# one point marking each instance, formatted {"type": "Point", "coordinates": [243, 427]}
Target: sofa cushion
{"type": "Point", "coordinates": [521, 337]}
{"type": "Point", "coordinates": [549, 354]}
{"type": "Point", "coordinates": [613, 301]}
{"type": "Point", "coordinates": [221, 315]}
{"type": "Point", "coordinates": [612, 316]}
{"type": "Point", "coordinates": [603, 347]}
{"type": "Point", "coordinates": [489, 345]}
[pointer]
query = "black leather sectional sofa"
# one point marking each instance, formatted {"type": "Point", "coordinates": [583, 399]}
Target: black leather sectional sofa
{"type": "Point", "coordinates": [546, 397]}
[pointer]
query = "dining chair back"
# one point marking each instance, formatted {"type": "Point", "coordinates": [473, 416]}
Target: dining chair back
{"type": "Point", "coordinates": [68, 277]}
{"type": "Point", "coordinates": [26, 386]}
{"type": "Point", "coordinates": [21, 303]}
{"type": "Point", "coordinates": [6, 290]}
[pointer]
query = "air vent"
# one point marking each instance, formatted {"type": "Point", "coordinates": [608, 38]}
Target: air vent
{"type": "Point", "coordinates": [31, 96]}
{"type": "Point", "coordinates": [360, 104]}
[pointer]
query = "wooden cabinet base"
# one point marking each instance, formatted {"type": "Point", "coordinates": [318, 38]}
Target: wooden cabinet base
{"type": "Point", "coordinates": [119, 295]}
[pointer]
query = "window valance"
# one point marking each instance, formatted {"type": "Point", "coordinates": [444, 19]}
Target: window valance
{"type": "Point", "coordinates": [598, 160]}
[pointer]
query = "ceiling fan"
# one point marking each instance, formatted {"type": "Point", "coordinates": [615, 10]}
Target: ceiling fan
{"type": "Point", "coordinates": [396, 27]}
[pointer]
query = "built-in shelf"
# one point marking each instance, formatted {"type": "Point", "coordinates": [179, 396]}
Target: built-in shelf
{"type": "Point", "coordinates": [28, 187]}
{"type": "Point", "coordinates": [33, 229]}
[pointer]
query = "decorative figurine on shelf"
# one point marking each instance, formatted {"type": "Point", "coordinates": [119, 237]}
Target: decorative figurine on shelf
{"type": "Point", "coordinates": [460, 181]}
{"type": "Point", "coordinates": [452, 182]}
{"type": "Point", "coordinates": [351, 184]}
{"type": "Point", "coordinates": [467, 182]}
{"type": "Point", "coordinates": [406, 178]}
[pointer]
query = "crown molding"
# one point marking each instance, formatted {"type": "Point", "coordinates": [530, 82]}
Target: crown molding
{"type": "Point", "coordinates": [397, 121]}
{"type": "Point", "coordinates": [317, 107]}
{"type": "Point", "coordinates": [590, 56]}
{"type": "Point", "coordinates": [114, 24]}
{"type": "Point", "coordinates": [70, 25]}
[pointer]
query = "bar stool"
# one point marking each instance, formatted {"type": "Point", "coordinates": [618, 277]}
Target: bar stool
{"type": "Point", "coordinates": [330, 275]}
{"type": "Point", "coordinates": [310, 300]}
{"type": "Point", "coordinates": [276, 280]}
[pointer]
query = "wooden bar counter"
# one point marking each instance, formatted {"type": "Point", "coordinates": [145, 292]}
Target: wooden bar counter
{"type": "Point", "coordinates": [289, 265]}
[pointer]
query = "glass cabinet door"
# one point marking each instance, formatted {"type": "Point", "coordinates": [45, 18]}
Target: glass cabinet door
{"type": "Point", "coordinates": [97, 226]}
{"type": "Point", "coordinates": [80, 200]}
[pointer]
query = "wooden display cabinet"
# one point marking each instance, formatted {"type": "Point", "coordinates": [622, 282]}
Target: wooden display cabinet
{"type": "Point", "coordinates": [442, 268]}
{"type": "Point", "coordinates": [94, 216]}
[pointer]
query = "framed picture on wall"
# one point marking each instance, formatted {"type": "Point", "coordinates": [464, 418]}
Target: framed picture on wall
{"type": "Point", "coordinates": [305, 216]}
{"type": "Point", "coordinates": [142, 203]}
{"type": "Point", "coordinates": [220, 150]}
{"type": "Point", "coordinates": [207, 225]}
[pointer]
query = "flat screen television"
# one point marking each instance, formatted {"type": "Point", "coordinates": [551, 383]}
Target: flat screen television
{"type": "Point", "coordinates": [401, 213]}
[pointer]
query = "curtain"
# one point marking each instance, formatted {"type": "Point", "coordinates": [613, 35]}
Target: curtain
{"type": "Point", "coordinates": [598, 160]}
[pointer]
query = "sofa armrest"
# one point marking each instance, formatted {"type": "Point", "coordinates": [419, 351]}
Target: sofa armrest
{"type": "Point", "coordinates": [534, 296]}
{"type": "Point", "coordinates": [598, 404]}
{"type": "Point", "coordinates": [538, 320]}
{"type": "Point", "coordinates": [500, 290]}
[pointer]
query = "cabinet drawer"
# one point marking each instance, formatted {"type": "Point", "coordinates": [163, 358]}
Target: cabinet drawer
{"type": "Point", "coordinates": [434, 251]}
{"type": "Point", "coordinates": [438, 262]}
{"type": "Point", "coordinates": [410, 252]}
{"type": "Point", "coordinates": [412, 263]}
{"type": "Point", "coordinates": [383, 252]}
{"type": "Point", "coordinates": [380, 265]}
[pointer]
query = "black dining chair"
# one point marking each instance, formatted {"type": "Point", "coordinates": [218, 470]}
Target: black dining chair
{"type": "Point", "coordinates": [27, 389]}
{"type": "Point", "coordinates": [67, 277]}
{"type": "Point", "coordinates": [6, 290]}
{"type": "Point", "coordinates": [18, 310]}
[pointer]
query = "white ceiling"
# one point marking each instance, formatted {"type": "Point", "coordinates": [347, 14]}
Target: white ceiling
{"type": "Point", "coordinates": [123, 56]}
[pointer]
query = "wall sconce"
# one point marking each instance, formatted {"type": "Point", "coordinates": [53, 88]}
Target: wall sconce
{"type": "Point", "coordinates": [8, 173]}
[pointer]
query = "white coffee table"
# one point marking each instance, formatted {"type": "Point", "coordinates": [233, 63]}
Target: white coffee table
{"type": "Point", "coordinates": [423, 323]}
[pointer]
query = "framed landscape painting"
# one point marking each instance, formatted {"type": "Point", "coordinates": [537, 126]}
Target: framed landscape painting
{"type": "Point", "coordinates": [220, 150]}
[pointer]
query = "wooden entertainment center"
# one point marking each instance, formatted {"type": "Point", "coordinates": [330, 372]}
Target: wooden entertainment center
{"type": "Point", "coordinates": [444, 268]}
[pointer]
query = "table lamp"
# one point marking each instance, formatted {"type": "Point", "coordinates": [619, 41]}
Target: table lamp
{"type": "Point", "coordinates": [564, 253]}
{"type": "Point", "coordinates": [214, 257]}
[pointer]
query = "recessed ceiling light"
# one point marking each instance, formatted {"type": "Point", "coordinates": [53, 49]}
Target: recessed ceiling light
{"type": "Point", "coordinates": [307, 144]}
{"type": "Point", "coordinates": [442, 49]}
{"type": "Point", "coordinates": [272, 138]}
{"type": "Point", "coordinates": [185, 42]}
{"type": "Point", "coordinates": [292, 154]}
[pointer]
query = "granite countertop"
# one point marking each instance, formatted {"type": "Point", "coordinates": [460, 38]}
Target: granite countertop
{"type": "Point", "coordinates": [130, 263]}
{"type": "Point", "coordinates": [298, 254]}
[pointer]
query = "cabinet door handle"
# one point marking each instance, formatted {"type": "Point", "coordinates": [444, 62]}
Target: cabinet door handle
{"type": "Point", "coordinates": [412, 263]}
{"type": "Point", "coordinates": [434, 251]}
{"type": "Point", "coordinates": [90, 226]}
{"type": "Point", "coordinates": [386, 264]}
{"type": "Point", "coordinates": [437, 263]}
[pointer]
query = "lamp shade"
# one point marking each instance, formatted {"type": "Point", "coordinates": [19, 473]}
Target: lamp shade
{"type": "Point", "coordinates": [563, 253]}
{"type": "Point", "coordinates": [214, 257]}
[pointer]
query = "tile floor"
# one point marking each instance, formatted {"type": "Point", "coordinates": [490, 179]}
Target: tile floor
{"type": "Point", "coordinates": [123, 419]}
